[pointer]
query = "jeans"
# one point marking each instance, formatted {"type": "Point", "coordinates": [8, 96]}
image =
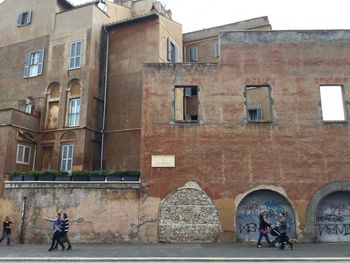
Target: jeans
{"type": "Point", "coordinates": [261, 235]}
{"type": "Point", "coordinates": [6, 235]}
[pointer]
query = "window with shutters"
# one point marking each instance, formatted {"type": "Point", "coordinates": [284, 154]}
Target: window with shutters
{"type": "Point", "coordinates": [74, 112]}
{"type": "Point", "coordinates": [186, 104]}
{"type": "Point", "coordinates": [173, 52]}
{"type": "Point", "coordinates": [33, 64]}
{"type": "Point", "coordinates": [258, 103]}
{"type": "Point", "coordinates": [23, 154]}
{"type": "Point", "coordinates": [67, 157]}
{"type": "Point", "coordinates": [193, 54]}
{"type": "Point", "coordinates": [75, 54]}
{"type": "Point", "coordinates": [24, 18]}
{"type": "Point", "coordinates": [73, 103]}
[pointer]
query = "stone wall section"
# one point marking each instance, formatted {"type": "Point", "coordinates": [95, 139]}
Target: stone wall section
{"type": "Point", "coordinates": [188, 215]}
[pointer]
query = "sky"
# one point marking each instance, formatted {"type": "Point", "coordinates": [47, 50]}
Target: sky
{"type": "Point", "coordinates": [283, 14]}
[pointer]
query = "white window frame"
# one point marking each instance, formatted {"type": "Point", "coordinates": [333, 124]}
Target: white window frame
{"type": "Point", "coordinates": [24, 18]}
{"type": "Point", "coordinates": [332, 104]}
{"type": "Point", "coordinates": [34, 63]}
{"type": "Point", "coordinates": [74, 112]}
{"type": "Point", "coordinates": [75, 54]}
{"type": "Point", "coordinates": [193, 54]}
{"type": "Point", "coordinates": [21, 154]}
{"type": "Point", "coordinates": [67, 156]}
{"type": "Point", "coordinates": [172, 51]}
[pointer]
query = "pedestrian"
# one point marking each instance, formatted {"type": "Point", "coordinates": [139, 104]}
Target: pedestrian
{"type": "Point", "coordinates": [64, 231]}
{"type": "Point", "coordinates": [283, 230]}
{"type": "Point", "coordinates": [57, 228]}
{"type": "Point", "coordinates": [6, 231]}
{"type": "Point", "coordinates": [263, 229]}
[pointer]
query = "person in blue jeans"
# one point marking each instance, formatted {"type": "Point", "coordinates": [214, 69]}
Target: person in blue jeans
{"type": "Point", "coordinates": [263, 229]}
{"type": "Point", "coordinates": [6, 232]}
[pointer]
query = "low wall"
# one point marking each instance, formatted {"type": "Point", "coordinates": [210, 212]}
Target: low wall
{"type": "Point", "coordinates": [98, 212]}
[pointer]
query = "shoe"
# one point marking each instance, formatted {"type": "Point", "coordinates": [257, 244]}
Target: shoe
{"type": "Point", "coordinates": [291, 246]}
{"type": "Point", "coordinates": [50, 249]}
{"type": "Point", "coordinates": [69, 248]}
{"type": "Point", "coordinates": [259, 246]}
{"type": "Point", "coordinates": [63, 248]}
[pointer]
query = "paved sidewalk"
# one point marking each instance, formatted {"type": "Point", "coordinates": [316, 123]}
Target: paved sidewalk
{"type": "Point", "coordinates": [315, 251]}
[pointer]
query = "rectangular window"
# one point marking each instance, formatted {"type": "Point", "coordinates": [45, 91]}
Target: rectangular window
{"type": "Point", "coordinates": [33, 64]}
{"type": "Point", "coordinates": [24, 18]}
{"type": "Point", "coordinates": [216, 50]}
{"type": "Point", "coordinates": [193, 54]}
{"type": "Point", "coordinates": [67, 157]}
{"type": "Point", "coordinates": [74, 112]}
{"type": "Point", "coordinates": [332, 103]}
{"type": "Point", "coordinates": [173, 52]}
{"type": "Point", "coordinates": [186, 104]}
{"type": "Point", "coordinates": [75, 55]}
{"type": "Point", "coordinates": [258, 104]}
{"type": "Point", "coordinates": [23, 154]}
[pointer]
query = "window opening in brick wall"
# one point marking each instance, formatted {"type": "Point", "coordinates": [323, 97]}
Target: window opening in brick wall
{"type": "Point", "coordinates": [332, 103]}
{"type": "Point", "coordinates": [186, 104]}
{"type": "Point", "coordinates": [258, 103]}
{"type": "Point", "coordinates": [24, 18]}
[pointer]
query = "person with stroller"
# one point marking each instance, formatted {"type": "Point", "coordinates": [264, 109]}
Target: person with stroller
{"type": "Point", "coordinates": [284, 239]}
{"type": "Point", "coordinates": [263, 229]}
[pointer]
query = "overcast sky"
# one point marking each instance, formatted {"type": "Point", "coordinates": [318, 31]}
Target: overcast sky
{"type": "Point", "coordinates": [283, 14]}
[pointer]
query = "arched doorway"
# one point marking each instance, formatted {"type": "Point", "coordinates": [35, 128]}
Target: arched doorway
{"type": "Point", "coordinates": [255, 203]}
{"type": "Point", "coordinates": [333, 218]}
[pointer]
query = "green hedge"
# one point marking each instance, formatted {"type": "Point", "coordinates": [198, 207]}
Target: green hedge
{"type": "Point", "coordinates": [74, 173]}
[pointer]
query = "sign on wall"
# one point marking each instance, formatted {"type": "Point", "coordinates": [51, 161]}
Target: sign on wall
{"type": "Point", "coordinates": [163, 161]}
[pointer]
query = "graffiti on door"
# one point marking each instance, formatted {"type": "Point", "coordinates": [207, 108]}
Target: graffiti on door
{"type": "Point", "coordinates": [333, 218]}
{"type": "Point", "coordinates": [255, 203]}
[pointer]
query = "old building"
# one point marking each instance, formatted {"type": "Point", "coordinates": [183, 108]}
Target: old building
{"type": "Point", "coordinates": [256, 133]}
{"type": "Point", "coordinates": [245, 125]}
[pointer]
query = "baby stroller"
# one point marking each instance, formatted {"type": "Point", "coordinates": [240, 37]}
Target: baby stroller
{"type": "Point", "coordinates": [282, 240]}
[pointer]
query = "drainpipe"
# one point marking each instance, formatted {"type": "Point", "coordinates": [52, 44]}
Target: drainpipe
{"type": "Point", "coordinates": [34, 157]}
{"type": "Point", "coordinates": [104, 98]}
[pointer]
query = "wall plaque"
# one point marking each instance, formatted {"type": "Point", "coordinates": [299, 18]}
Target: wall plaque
{"type": "Point", "coordinates": [163, 161]}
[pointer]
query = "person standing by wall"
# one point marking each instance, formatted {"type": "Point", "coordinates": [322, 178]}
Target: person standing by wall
{"type": "Point", "coordinates": [57, 227]}
{"type": "Point", "coordinates": [6, 234]}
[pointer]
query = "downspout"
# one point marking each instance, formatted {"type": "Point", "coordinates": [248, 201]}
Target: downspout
{"type": "Point", "coordinates": [34, 157]}
{"type": "Point", "coordinates": [104, 98]}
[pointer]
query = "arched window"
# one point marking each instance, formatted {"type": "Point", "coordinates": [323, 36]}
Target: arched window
{"type": "Point", "coordinates": [52, 105]}
{"type": "Point", "coordinates": [73, 103]}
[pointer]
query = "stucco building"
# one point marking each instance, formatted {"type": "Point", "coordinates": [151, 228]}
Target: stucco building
{"type": "Point", "coordinates": [243, 126]}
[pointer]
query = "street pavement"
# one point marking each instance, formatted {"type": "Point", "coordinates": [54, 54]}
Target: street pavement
{"type": "Point", "coordinates": [320, 252]}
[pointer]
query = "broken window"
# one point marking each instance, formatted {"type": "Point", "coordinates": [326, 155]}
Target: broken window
{"type": "Point", "coordinates": [332, 103]}
{"type": "Point", "coordinates": [186, 104]}
{"type": "Point", "coordinates": [258, 103]}
{"type": "Point", "coordinates": [23, 154]}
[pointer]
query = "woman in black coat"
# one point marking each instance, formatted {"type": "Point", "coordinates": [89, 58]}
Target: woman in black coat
{"type": "Point", "coordinates": [263, 229]}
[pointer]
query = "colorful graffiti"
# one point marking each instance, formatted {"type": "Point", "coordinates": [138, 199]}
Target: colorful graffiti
{"type": "Point", "coordinates": [255, 203]}
{"type": "Point", "coordinates": [333, 218]}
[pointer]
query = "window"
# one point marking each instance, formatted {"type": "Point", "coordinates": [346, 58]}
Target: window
{"type": "Point", "coordinates": [332, 103]}
{"type": "Point", "coordinates": [74, 112]}
{"type": "Point", "coordinates": [24, 18]}
{"type": "Point", "coordinates": [23, 154]}
{"type": "Point", "coordinates": [75, 55]}
{"type": "Point", "coordinates": [193, 54]}
{"type": "Point", "coordinates": [216, 50]}
{"type": "Point", "coordinates": [173, 52]}
{"type": "Point", "coordinates": [186, 104]}
{"type": "Point", "coordinates": [258, 103]}
{"type": "Point", "coordinates": [33, 65]}
{"type": "Point", "coordinates": [67, 157]}
{"type": "Point", "coordinates": [52, 105]}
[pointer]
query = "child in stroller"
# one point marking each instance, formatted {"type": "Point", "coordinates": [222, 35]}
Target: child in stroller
{"type": "Point", "coordinates": [280, 232]}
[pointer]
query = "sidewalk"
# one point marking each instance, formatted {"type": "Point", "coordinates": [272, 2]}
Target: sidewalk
{"type": "Point", "coordinates": [176, 252]}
